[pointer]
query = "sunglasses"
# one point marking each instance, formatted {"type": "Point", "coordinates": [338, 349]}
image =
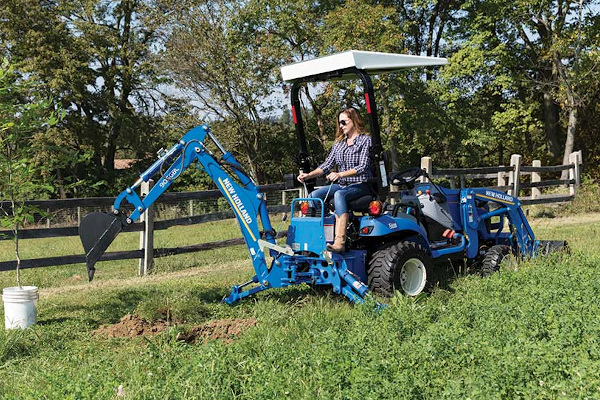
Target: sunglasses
{"type": "Point", "coordinates": [343, 122]}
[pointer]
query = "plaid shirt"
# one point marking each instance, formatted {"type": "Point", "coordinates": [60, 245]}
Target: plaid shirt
{"type": "Point", "coordinates": [348, 157]}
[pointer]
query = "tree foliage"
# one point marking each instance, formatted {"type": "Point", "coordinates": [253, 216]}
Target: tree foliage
{"type": "Point", "coordinates": [133, 75]}
{"type": "Point", "coordinates": [97, 58]}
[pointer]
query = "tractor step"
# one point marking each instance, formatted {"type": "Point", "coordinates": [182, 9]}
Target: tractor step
{"type": "Point", "coordinates": [446, 244]}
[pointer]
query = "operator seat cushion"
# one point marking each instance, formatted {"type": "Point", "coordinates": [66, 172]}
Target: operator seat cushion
{"type": "Point", "coordinates": [360, 204]}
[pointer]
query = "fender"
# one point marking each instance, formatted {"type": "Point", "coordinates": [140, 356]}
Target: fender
{"type": "Point", "coordinates": [386, 225]}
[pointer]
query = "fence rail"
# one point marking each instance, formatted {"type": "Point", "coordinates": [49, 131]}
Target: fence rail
{"type": "Point", "coordinates": [513, 174]}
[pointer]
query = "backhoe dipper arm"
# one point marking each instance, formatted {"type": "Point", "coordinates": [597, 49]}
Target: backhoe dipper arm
{"type": "Point", "coordinates": [241, 193]}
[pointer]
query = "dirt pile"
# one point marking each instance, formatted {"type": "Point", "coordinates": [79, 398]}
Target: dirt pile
{"type": "Point", "coordinates": [132, 326]}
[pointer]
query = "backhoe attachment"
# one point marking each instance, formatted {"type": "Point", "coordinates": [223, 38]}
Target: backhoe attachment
{"type": "Point", "coordinates": [97, 231]}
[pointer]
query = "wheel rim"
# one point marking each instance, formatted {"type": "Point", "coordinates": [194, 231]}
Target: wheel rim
{"type": "Point", "coordinates": [413, 277]}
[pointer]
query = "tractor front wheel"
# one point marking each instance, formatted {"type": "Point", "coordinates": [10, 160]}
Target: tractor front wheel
{"type": "Point", "coordinates": [494, 258]}
{"type": "Point", "coordinates": [403, 266]}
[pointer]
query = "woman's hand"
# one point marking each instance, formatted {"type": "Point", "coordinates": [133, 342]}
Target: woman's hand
{"type": "Point", "coordinates": [334, 176]}
{"type": "Point", "coordinates": [303, 176]}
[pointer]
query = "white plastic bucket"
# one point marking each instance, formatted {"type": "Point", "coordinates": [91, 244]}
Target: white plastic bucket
{"type": "Point", "coordinates": [20, 306]}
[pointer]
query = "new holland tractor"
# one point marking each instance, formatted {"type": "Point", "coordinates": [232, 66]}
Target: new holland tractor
{"type": "Point", "coordinates": [392, 245]}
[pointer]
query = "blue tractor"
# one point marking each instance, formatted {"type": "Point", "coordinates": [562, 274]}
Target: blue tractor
{"type": "Point", "coordinates": [394, 242]}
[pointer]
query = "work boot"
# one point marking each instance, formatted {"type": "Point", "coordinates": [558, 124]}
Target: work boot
{"type": "Point", "coordinates": [341, 223]}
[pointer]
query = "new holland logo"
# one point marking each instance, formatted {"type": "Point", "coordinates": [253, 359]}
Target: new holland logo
{"type": "Point", "coordinates": [237, 201]}
{"type": "Point", "coordinates": [499, 196]}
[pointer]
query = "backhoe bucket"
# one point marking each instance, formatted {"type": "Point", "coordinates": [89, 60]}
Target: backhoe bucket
{"type": "Point", "coordinates": [97, 231]}
{"type": "Point", "coordinates": [550, 246]}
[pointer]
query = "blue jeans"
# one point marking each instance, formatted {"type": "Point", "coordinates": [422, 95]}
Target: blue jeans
{"type": "Point", "coordinates": [341, 195]}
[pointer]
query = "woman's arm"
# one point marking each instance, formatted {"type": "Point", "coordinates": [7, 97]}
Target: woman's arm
{"type": "Point", "coordinates": [323, 168]}
{"type": "Point", "coordinates": [312, 174]}
{"type": "Point", "coordinates": [334, 176]}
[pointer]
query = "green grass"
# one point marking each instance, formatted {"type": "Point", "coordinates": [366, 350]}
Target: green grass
{"type": "Point", "coordinates": [76, 273]}
{"type": "Point", "coordinates": [529, 332]}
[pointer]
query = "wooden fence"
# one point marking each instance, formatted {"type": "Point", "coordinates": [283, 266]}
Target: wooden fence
{"type": "Point", "coordinates": [510, 179]}
{"type": "Point", "coordinates": [513, 179]}
{"type": "Point", "coordinates": [146, 227]}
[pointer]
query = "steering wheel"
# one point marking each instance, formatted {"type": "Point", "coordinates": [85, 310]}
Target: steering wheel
{"type": "Point", "coordinates": [406, 177]}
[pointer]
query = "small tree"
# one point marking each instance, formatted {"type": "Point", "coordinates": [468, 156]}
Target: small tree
{"type": "Point", "coordinates": [21, 116]}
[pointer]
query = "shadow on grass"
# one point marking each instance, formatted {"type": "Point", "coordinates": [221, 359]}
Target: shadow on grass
{"type": "Point", "coordinates": [52, 321]}
{"type": "Point", "coordinates": [210, 295]}
{"type": "Point", "coordinates": [299, 294]}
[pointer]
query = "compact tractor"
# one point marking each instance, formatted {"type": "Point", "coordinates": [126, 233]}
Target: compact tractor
{"type": "Point", "coordinates": [393, 243]}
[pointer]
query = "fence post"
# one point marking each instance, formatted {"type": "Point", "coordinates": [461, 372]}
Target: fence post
{"type": "Point", "coordinates": [513, 177]}
{"type": "Point", "coordinates": [535, 177]}
{"type": "Point", "coordinates": [146, 264]}
{"type": "Point", "coordinates": [427, 165]}
{"type": "Point", "coordinates": [501, 179]}
{"type": "Point", "coordinates": [191, 208]}
{"type": "Point", "coordinates": [574, 172]}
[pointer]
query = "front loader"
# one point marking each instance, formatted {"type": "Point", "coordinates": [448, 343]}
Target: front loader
{"type": "Point", "coordinates": [393, 244]}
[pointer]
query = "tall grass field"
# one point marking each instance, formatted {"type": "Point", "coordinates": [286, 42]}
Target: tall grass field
{"type": "Point", "coordinates": [531, 331]}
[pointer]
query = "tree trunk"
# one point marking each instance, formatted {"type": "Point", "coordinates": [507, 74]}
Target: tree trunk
{"type": "Point", "coordinates": [393, 157]}
{"type": "Point", "coordinates": [551, 125]}
{"type": "Point", "coordinates": [61, 184]}
{"type": "Point", "coordinates": [109, 159]}
{"type": "Point", "coordinates": [570, 139]}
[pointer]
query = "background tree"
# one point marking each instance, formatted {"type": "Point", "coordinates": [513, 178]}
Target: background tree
{"type": "Point", "coordinates": [133, 75]}
{"type": "Point", "coordinates": [22, 115]}
{"type": "Point", "coordinates": [542, 46]}
{"type": "Point", "coordinates": [97, 58]}
{"type": "Point", "coordinates": [217, 66]}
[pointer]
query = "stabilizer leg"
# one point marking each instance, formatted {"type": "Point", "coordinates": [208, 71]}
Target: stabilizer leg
{"type": "Point", "coordinates": [237, 293]}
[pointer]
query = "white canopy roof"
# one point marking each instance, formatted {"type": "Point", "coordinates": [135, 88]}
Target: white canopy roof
{"type": "Point", "coordinates": [372, 62]}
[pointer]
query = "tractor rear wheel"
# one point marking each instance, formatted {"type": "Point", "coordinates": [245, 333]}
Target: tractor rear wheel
{"type": "Point", "coordinates": [494, 258]}
{"type": "Point", "coordinates": [402, 266]}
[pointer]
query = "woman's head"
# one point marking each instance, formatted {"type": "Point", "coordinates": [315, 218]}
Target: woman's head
{"type": "Point", "coordinates": [347, 121]}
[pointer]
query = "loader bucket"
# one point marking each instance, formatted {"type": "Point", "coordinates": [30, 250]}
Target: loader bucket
{"type": "Point", "coordinates": [97, 231]}
{"type": "Point", "coordinates": [550, 246]}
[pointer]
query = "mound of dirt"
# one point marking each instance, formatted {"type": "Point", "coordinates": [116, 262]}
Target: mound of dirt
{"type": "Point", "coordinates": [131, 326]}
{"type": "Point", "coordinates": [224, 329]}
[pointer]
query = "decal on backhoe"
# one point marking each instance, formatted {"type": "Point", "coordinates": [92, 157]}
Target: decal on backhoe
{"type": "Point", "coordinates": [237, 201]}
{"type": "Point", "coordinates": [237, 205]}
{"type": "Point", "coordinates": [172, 175]}
{"type": "Point", "coordinates": [329, 232]}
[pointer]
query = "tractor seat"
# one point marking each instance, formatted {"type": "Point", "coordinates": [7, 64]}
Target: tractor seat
{"type": "Point", "coordinates": [360, 204]}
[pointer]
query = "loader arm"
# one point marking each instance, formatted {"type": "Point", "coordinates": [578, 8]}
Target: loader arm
{"type": "Point", "coordinates": [97, 230]}
{"type": "Point", "coordinates": [509, 207]}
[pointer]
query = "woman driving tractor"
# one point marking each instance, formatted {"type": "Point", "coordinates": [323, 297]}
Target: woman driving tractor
{"type": "Point", "coordinates": [350, 153]}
